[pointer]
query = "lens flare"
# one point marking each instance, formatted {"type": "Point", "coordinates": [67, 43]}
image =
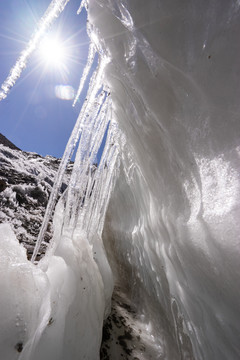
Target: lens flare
{"type": "Point", "coordinates": [64, 92]}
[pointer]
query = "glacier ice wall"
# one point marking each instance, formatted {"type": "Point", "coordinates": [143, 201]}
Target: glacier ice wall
{"type": "Point", "coordinates": [172, 229]}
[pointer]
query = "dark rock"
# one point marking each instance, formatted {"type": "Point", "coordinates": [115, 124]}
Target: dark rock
{"type": "Point", "coordinates": [9, 154]}
{"type": "Point", "coordinates": [21, 198]}
{"type": "Point", "coordinates": [3, 185]}
{"type": "Point", "coordinates": [8, 143]}
{"type": "Point", "coordinates": [19, 347]}
{"type": "Point", "coordinates": [39, 195]}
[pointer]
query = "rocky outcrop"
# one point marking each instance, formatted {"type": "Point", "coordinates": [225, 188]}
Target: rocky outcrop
{"type": "Point", "coordinates": [8, 143]}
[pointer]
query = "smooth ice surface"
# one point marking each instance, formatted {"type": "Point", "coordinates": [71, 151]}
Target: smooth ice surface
{"type": "Point", "coordinates": [172, 227]}
{"type": "Point", "coordinates": [24, 297]}
{"type": "Point", "coordinates": [44, 312]}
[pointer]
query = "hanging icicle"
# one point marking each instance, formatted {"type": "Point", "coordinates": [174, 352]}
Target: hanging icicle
{"type": "Point", "coordinates": [90, 59]}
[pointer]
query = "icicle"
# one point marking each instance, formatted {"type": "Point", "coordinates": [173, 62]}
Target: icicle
{"type": "Point", "coordinates": [89, 142]}
{"type": "Point", "coordinates": [93, 217]}
{"type": "Point", "coordinates": [91, 55]}
{"type": "Point", "coordinates": [86, 154]}
{"type": "Point", "coordinates": [52, 12]}
{"type": "Point", "coordinates": [107, 166]}
{"type": "Point", "coordinates": [82, 5]}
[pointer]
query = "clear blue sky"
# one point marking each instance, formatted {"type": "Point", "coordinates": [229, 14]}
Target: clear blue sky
{"type": "Point", "coordinates": [32, 117]}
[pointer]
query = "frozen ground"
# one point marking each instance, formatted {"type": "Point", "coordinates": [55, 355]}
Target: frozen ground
{"type": "Point", "coordinates": [125, 335]}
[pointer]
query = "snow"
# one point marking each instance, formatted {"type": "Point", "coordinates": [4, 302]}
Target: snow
{"type": "Point", "coordinates": [164, 215]}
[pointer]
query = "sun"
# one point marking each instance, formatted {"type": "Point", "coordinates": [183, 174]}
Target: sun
{"type": "Point", "coordinates": [52, 51]}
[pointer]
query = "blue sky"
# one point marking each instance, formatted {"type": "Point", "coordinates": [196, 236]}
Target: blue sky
{"type": "Point", "coordinates": [32, 117]}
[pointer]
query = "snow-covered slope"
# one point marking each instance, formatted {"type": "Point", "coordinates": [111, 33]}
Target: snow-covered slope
{"type": "Point", "coordinates": [26, 181]}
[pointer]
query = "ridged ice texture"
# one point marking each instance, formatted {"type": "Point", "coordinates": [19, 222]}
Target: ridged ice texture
{"type": "Point", "coordinates": [173, 221]}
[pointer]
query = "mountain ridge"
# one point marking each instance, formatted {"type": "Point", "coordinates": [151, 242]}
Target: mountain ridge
{"type": "Point", "coordinates": [6, 142]}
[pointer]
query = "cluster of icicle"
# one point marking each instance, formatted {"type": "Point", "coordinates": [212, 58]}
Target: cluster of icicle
{"type": "Point", "coordinates": [60, 312]}
{"type": "Point", "coordinates": [90, 185]}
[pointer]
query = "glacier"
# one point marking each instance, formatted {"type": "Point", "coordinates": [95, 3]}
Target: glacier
{"type": "Point", "coordinates": [163, 221]}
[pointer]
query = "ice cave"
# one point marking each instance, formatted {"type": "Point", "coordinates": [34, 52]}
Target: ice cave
{"type": "Point", "coordinates": [156, 223]}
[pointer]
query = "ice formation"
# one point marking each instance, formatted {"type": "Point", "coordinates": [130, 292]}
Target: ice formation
{"type": "Point", "coordinates": [171, 231]}
{"type": "Point", "coordinates": [59, 306]}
